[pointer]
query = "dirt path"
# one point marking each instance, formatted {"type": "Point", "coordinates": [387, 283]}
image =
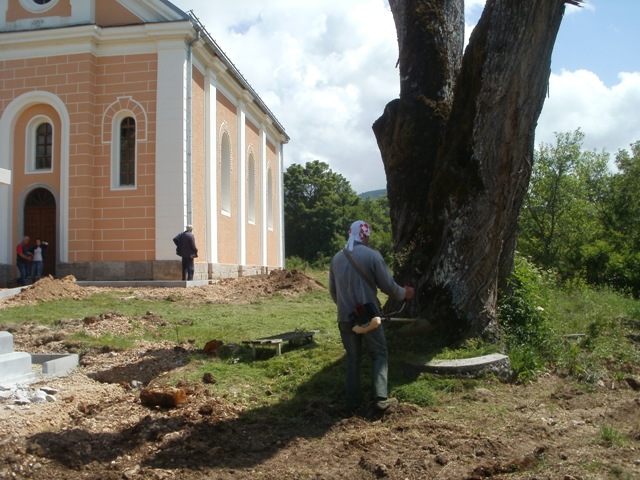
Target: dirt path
{"type": "Point", "coordinates": [97, 428]}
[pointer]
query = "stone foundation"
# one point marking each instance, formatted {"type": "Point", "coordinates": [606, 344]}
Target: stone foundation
{"type": "Point", "coordinates": [7, 275]}
{"type": "Point", "coordinates": [166, 270]}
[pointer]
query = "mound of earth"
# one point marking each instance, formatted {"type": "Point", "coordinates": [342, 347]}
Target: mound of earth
{"type": "Point", "coordinates": [234, 290]}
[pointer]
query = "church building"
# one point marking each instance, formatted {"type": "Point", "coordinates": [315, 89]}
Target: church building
{"type": "Point", "coordinates": [121, 122]}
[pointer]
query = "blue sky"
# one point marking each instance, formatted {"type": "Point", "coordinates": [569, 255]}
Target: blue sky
{"type": "Point", "coordinates": [327, 69]}
{"type": "Point", "coordinates": [603, 37]}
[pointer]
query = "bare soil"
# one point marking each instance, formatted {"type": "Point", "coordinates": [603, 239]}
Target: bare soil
{"type": "Point", "coordinates": [97, 428]}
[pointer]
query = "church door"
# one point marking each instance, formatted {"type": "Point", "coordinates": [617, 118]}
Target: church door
{"type": "Point", "coordinates": [40, 222]}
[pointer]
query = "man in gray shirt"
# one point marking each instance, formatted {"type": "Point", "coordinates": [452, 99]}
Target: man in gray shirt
{"type": "Point", "coordinates": [349, 288]}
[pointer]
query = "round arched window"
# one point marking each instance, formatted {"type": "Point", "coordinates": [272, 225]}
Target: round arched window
{"type": "Point", "coordinates": [38, 6]}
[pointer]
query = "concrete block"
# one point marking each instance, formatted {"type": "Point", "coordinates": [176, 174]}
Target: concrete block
{"type": "Point", "coordinates": [7, 275]}
{"type": "Point", "coordinates": [496, 363]}
{"type": "Point", "coordinates": [167, 269]}
{"type": "Point", "coordinates": [15, 367]}
{"type": "Point", "coordinates": [138, 270]}
{"type": "Point", "coordinates": [6, 343]}
{"type": "Point", "coordinates": [56, 364]}
{"type": "Point", "coordinates": [109, 270]}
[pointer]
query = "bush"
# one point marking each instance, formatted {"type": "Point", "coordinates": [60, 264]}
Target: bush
{"type": "Point", "coordinates": [523, 315]}
{"type": "Point", "coordinates": [296, 263]}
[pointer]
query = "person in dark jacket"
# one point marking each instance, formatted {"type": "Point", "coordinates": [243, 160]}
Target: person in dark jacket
{"type": "Point", "coordinates": [186, 248]}
{"type": "Point", "coordinates": [23, 257]}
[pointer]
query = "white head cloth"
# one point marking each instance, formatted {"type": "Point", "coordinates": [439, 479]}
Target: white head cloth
{"type": "Point", "coordinates": [357, 231]}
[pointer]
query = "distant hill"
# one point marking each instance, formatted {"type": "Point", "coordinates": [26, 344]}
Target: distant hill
{"type": "Point", "coordinates": [373, 194]}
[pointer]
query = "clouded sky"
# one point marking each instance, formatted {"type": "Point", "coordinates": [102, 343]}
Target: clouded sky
{"type": "Point", "coordinates": [326, 69]}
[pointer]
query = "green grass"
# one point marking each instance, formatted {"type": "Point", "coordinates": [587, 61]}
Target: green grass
{"type": "Point", "coordinates": [611, 437]}
{"type": "Point", "coordinates": [542, 319]}
{"type": "Point", "coordinates": [315, 372]}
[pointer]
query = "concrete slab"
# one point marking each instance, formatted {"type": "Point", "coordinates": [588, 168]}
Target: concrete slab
{"type": "Point", "coordinates": [143, 283]}
{"type": "Point", "coordinates": [496, 363]}
{"type": "Point", "coordinates": [56, 364]}
{"type": "Point", "coordinates": [6, 343]}
{"type": "Point", "coordinates": [15, 367]}
{"type": "Point", "coordinates": [18, 379]}
{"type": "Point", "coordinates": [10, 292]}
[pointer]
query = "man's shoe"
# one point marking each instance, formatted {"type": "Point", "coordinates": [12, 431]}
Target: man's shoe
{"type": "Point", "coordinates": [383, 404]}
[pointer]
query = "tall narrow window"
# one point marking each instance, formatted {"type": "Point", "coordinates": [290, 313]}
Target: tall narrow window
{"type": "Point", "coordinates": [270, 199]}
{"type": "Point", "coordinates": [225, 174]}
{"type": "Point", "coordinates": [251, 190]}
{"type": "Point", "coordinates": [128, 152]}
{"type": "Point", "coordinates": [44, 146]}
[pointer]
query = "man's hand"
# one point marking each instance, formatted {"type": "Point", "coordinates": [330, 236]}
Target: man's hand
{"type": "Point", "coordinates": [409, 292]}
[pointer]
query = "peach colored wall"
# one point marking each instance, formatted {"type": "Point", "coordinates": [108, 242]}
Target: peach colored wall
{"type": "Point", "coordinates": [110, 12]}
{"type": "Point", "coordinates": [104, 225]}
{"type": "Point", "coordinates": [122, 220]}
{"type": "Point", "coordinates": [15, 11]}
{"type": "Point", "coordinates": [198, 164]}
{"type": "Point", "coordinates": [273, 247]}
{"type": "Point", "coordinates": [252, 138]}
{"type": "Point", "coordinates": [227, 225]}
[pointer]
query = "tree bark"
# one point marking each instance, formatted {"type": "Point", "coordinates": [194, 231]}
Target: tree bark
{"type": "Point", "coordinates": [457, 148]}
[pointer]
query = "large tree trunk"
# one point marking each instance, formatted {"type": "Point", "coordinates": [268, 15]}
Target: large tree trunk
{"type": "Point", "coordinates": [457, 148]}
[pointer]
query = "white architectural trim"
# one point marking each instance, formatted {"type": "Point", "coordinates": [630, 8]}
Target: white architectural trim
{"type": "Point", "coordinates": [211, 164]}
{"type": "Point", "coordinates": [98, 41]}
{"type": "Point", "coordinates": [263, 197]}
{"type": "Point", "coordinates": [170, 147]}
{"type": "Point", "coordinates": [280, 205]}
{"type": "Point", "coordinates": [7, 135]}
{"type": "Point", "coordinates": [241, 186]}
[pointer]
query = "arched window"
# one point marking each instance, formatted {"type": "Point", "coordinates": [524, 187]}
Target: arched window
{"type": "Point", "coordinates": [251, 190]}
{"type": "Point", "coordinates": [123, 151]}
{"type": "Point", "coordinates": [225, 174]}
{"type": "Point", "coordinates": [128, 152]}
{"type": "Point", "coordinates": [44, 146]}
{"type": "Point", "coordinates": [38, 6]}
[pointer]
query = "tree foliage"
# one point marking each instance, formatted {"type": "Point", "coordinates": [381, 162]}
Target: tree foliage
{"type": "Point", "coordinates": [615, 258]}
{"type": "Point", "coordinates": [580, 219]}
{"type": "Point", "coordinates": [319, 207]}
{"type": "Point", "coordinates": [317, 203]}
{"type": "Point", "coordinates": [560, 213]}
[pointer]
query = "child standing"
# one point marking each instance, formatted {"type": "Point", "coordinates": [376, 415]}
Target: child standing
{"type": "Point", "coordinates": [38, 260]}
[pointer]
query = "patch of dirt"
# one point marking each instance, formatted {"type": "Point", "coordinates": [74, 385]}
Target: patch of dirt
{"type": "Point", "coordinates": [235, 291]}
{"type": "Point", "coordinates": [97, 427]}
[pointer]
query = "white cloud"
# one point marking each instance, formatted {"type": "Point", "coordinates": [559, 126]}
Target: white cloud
{"type": "Point", "coordinates": [327, 69]}
{"type": "Point", "coordinates": [608, 116]}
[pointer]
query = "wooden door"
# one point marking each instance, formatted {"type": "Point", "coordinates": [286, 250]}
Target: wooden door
{"type": "Point", "coordinates": [40, 222]}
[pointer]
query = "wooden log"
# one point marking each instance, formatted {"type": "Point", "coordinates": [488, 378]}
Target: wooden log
{"type": "Point", "coordinates": [168, 397]}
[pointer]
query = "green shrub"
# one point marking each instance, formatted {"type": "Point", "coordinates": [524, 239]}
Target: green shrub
{"type": "Point", "coordinates": [523, 315]}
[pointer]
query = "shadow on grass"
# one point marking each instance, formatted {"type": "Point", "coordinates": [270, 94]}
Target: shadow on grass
{"type": "Point", "coordinates": [197, 442]}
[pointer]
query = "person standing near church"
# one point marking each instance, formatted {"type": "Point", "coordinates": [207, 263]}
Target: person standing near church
{"type": "Point", "coordinates": [186, 248]}
{"type": "Point", "coordinates": [23, 257]}
{"type": "Point", "coordinates": [37, 253]}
